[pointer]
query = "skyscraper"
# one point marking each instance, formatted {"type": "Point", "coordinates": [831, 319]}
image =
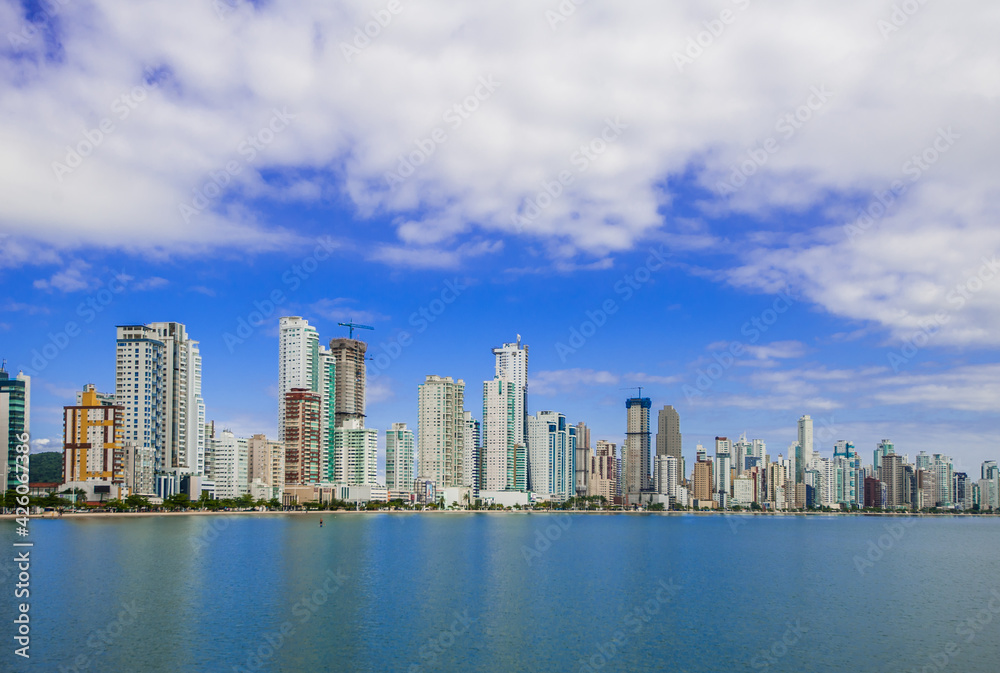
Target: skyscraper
{"type": "Point", "coordinates": [303, 437]}
{"type": "Point", "coordinates": [441, 430]}
{"type": "Point", "coordinates": [582, 459]}
{"type": "Point", "coordinates": [551, 456]}
{"type": "Point", "coordinates": [350, 374]}
{"type": "Point", "coordinates": [158, 386]}
{"type": "Point", "coordinates": [512, 367]}
{"type": "Point", "coordinates": [399, 461]}
{"type": "Point", "coordinates": [636, 454]}
{"type": "Point", "coordinates": [668, 433]}
{"type": "Point", "coordinates": [804, 450]}
{"type": "Point", "coordinates": [304, 364]}
{"type": "Point", "coordinates": [470, 452]}
{"type": "Point", "coordinates": [15, 422]}
{"type": "Point", "coordinates": [504, 461]}
{"type": "Point", "coordinates": [723, 469]}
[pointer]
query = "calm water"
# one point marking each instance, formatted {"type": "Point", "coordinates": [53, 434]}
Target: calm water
{"type": "Point", "coordinates": [482, 592]}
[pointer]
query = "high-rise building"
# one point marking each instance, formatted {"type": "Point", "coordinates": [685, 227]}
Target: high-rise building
{"type": "Point", "coordinates": [230, 465]}
{"type": "Point", "coordinates": [92, 439]}
{"type": "Point", "coordinates": [512, 366]}
{"type": "Point", "coordinates": [441, 429]}
{"type": "Point", "coordinates": [804, 451]}
{"type": "Point", "coordinates": [500, 427]}
{"type": "Point", "coordinates": [636, 456]}
{"type": "Point", "coordinates": [356, 449]}
{"type": "Point", "coordinates": [884, 448]}
{"type": "Point", "coordinates": [350, 373]}
{"type": "Point", "coordinates": [266, 467]}
{"type": "Point", "coordinates": [158, 386]}
{"type": "Point", "coordinates": [399, 461]}
{"type": "Point", "coordinates": [582, 459]}
{"type": "Point", "coordinates": [944, 472]}
{"type": "Point", "coordinates": [603, 472]}
{"type": "Point", "coordinates": [15, 423]}
{"type": "Point", "coordinates": [847, 474]}
{"type": "Point", "coordinates": [668, 433]}
{"type": "Point", "coordinates": [723, 468]}
{"type": "Point", "coordinates": [703, 482]}
{"type": "Point", "coordinates": [303, 437]}
{"type": "Point", "coordinates": [551, 456]}
{"type": "Point", "coordinates": [892, 476]}
{"type": "Point", "coordinates": [665, 477]}
{"type": "Point", "coordinates": [304, 364]}
{"type": "Point", "coordinates": [962, 488]}
{"type": "Point", "coordinates": [472, 441]}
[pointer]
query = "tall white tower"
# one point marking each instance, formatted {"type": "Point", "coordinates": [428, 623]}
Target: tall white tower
{"type": "Point", "coordinates": [512, 367]}
{"type": "Point", "coordinates": [158, 383]}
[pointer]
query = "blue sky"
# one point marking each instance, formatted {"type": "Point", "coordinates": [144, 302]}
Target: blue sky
{"type": "Point", "coordinates": [797, 216]}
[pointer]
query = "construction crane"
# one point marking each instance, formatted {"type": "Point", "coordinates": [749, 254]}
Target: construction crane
{"type": "Point", "coordinates": [352, 325]}
{"type": "Point", "coordinates": [639, 388]}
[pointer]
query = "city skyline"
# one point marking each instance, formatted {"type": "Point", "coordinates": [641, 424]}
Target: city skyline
{"type": "Point", "coordinates": [321, 365]}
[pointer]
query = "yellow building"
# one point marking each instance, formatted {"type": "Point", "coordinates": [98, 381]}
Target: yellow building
{"type": "Point", "coordinates": [92, 439]}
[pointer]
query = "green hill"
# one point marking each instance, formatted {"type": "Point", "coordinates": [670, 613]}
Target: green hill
{"type": "Point", "coordinates": [46, 466]}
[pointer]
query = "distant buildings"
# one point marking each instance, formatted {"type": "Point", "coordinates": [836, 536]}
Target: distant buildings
{"type": "Point", "coordinates": [399, 461]}
{"type": "Point", "coordinates": [551, 456]}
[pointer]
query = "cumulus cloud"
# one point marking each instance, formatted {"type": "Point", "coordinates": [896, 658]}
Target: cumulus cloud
{"type": "Point", "coordinates": [166, 128]}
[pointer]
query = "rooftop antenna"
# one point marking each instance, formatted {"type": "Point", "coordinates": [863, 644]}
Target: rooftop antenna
{"type": "Point", "coordinates": [352, 325]}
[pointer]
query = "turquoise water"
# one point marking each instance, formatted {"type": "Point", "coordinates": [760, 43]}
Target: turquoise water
{"type": "Point", "coordinates": [508, 592]}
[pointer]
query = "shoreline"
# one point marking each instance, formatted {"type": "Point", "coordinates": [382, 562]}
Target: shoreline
{"type": "Point", "coordinates": [54, 515]}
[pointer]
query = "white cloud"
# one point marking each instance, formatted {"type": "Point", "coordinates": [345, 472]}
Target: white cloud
{"type": "Point", "coordinates": [346, 125]}
{"type": "Point", "coordinates": [72, 278]}
{"type": "Point", "coordinates": [553, 382]}
{"type": "Point", "coordinates": [340, 308]}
